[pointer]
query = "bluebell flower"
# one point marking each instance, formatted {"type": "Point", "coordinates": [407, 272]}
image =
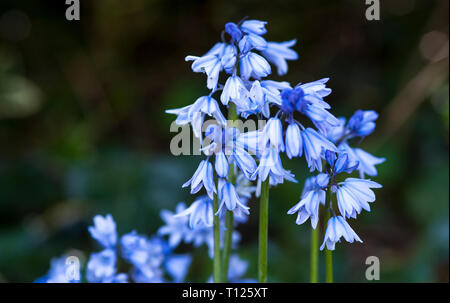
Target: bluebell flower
{"type": "Point", "coordinates": [147, 274]}
{"type": "Point", "coordinates": [344, 164]}
{"type": "Point", "coordinates": [104, 231]}
{"type": "Point", "coordinates": [254, 65]}
{"type": "Point", "coordinates": [139, 250]}
{"type": "Point", "coordinates": [294, 141]}
{"type": "Point", "coordinates": [354, 194]}
{"type": "Point", "coordinates": [176, 227]}
{"type": "Point", "coordinates": [313, 195]}
{"type": "Point", "coordinates": [278, 53]}
{"type": "Point", "coordinates": [194, 114]}
{"type": "Point", "coordinates": [237, 270]}
{"type": "Point", "coordinates": [228, 150]}
{"type": "Point", "coordinates": [274, 134]}
{"type": "Point", "coordinates": [362, 122]}
{"type": "Point", "coordinates": [203, 177]}
{"type": "Point", "coordinates": [146, 255]}
{"type": "Point", "coordinates": [254, 27]}
{"type": "Point", "coordinates": [234, 31]}
{"type": "Point", "coordinates": [229, 198]}
{"type": "Point", "coordinates": [101, 268]}
{"type": "Point", "coordinates": [366, 161]}
{"type": "Point", "coordinates": [337, 227]}
{"type": "Point", "coordinates": [315, 145]}
{"type": "Point", "coordinates": [252, 41]}
{"type": "Point", "coordinates": [272, 90]}
{"type": "Point", "coordinates": [200, 213]}
{"type": "Point", "coordinates": [221, 165]}
{"type": "Point", "coordinates": [211, 62]}
{"type": "Point", "coordinates": [59, 272]}
{"type": "Point", "coordinates": [270, 166]}
{"type": "Point", "coordinates": [177, 266]}
{"type": "Point", "coordinates": [234, 91]}
{"type": "Point", "coordinates": [254, 102]}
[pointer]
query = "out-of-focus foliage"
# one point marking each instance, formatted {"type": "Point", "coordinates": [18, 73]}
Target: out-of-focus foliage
{"type": "Point", "coordinates": [83, 129]}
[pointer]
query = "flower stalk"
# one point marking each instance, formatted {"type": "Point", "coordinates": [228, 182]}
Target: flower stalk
{"type": "Point", "coordinates": [328, 253]}
{"type": "Point", "coordinates": [263, 231]}
{"type": "Point", "coordinates": [217, 267]}
{"type": "Point", "coordinates": [314, 255]}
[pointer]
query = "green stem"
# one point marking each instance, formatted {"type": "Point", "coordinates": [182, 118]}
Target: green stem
{"type": "Point", "coordinates": [263, 230]}
{"type": "Point", "coordinates": [314, 255]}
{"type": "Point", "coordinates": [232, 116]}
{"type": "Point", "coordinates": [227, 245]}
{"type": "Point", "coordinates": [217, 261]}
{"type": "Point", "coordinates": [328, 253]}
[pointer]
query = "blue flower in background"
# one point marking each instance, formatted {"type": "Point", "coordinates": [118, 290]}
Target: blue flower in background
{"type": "Point", "coordinates": [104, 231]}
{"type": "Point", "coordinates": [101, 268]}
{"type": "Point", "coordinates": [59, 272]}
{"type": "Point", "coordinates": [337, 227]}
{"type": "Point", "coordinates": [177, 266]}
{"type": "Point", "coordinates": [200, 213]}
{"type": "Point", "coordinates": [176, 226]}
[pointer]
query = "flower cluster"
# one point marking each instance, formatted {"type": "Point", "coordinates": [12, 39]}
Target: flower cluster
{"type": "Point", "coordinates": [149, 259]}
{"type": "Point", "coordinates": [352, 195]}
{"type": "Point", "coordinates": [298, 123]}
{"type": "Point", "coordinates": [243, 59]}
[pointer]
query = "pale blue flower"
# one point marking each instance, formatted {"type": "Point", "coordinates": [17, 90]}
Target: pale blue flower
{"type": "Point", "coordinates": [308, 207]}
{"type": "Point", "coordinates": [366, 161]}
{"type": "Point", "coordinates": [254, 26]}
{"type": "Point", "coordinates": [177, 266]}
{"type": "Point", "coordinates": [203, 177]}
{"type": "Point", "coordinates": [337, 227]}
{"type": "Point", "coordinates": [176, 227]}
{"type": "Point", "coordinates": [200, 213]}
{"type": "Point", "coordinates": [195, 114]}
{"type": "Point", "coordinates": [228, 150]}
{"type": "Point", "coordinates": [252, 41]}
{"type": "Point", "coordinates": [272, 90]}
{"type": "Point", "coordinates": [354, 194]}
{"type": "Point", "coordinates": [254, 65]}
{"type": "Point", "coordinates": [211, 62]}
{"type": "Point", "coordinates": [61, 271]}
{"type": "Point", "coordinates": [274, 134]}
{"type": "Point", "coordinates": [278, 53]}
{"type": "Point", "coordinates": [234, 91]}
{"type": "Point", "coordinates": [294, 141]}
{"type": "Point", "coordinates": [221, 165]}
{"type": "Point", "coordinates": [315, 145]}
{"type": "Point", "coordinates": [237, 270]}
{"type": "Point", "coordinates": [101, 268]}
{"type": "Point", "coordinates": [344, 164]}
{"type": "Point", "coordinates": [229, 198]}
{"type": "Point", "coordinates": [104, 231]}
{"type": "Point", "coordinates": [270, 166]}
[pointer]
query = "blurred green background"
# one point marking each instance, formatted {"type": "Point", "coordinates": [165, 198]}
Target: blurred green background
{"type": "Point", "coordinates": [83, 129]}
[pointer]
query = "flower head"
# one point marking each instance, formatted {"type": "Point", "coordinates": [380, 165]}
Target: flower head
{"type": "Point", "coordinates": [104, 230]}
{"type": "Point", "coordinates": [337, 227]}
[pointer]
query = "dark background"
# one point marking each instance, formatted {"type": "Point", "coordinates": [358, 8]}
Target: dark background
{"type": "Point", "coordinates": [83, 129]}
